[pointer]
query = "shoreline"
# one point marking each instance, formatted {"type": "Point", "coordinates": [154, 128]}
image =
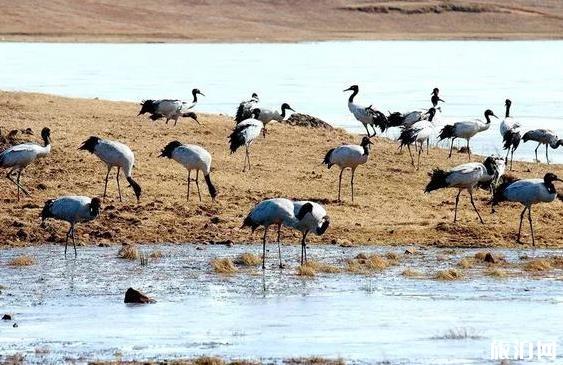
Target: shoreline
{"type": "Point", "coordinates": [391, 208]}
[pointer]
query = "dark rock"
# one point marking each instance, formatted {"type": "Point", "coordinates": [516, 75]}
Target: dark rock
{"type": "Point", "coordinates": [18, 224]}
{"type": "Point", "coordinates": [6, 317]}
{"type": "Point", "coordinates": [135, 296]}
{"type": "Point", "coordinates": [21, 234]}
{"type": "Point", "coordinates": [199, 248]}
{"type": "Point", "coordinates": [228, 243]}
{"type": "Point", "coordinates": [489, 258]}
{"type": "Point", "coordinates": [30, 206]}
{"type": "Point", "coordinates": [215, 220]}
{"type": "Point", "coordinates": [304, 120]}
{"type": "Point", "coordinates": [15, 325]}
{"type": "Point", "coordinates": [42, 186]}
{"type": "Point", "coordinates": [104, 245]}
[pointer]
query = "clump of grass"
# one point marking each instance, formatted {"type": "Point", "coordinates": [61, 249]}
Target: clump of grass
{"type": "Point", "coordinates": [364, 264]}
{"type": "Point", "coordinates": [393, 256]}
{"type": "Point", "coordinates": [322, 267]}
{"type": "Point", "coordinates": [537, 265]}
{"type": "Point", "coordinates": [557, 261]}
{"type": "Point", "coordinates": [128, 252]}
{"type": "Point", "coordinates": [466, 263]}
{"type": "Point", "coordinates": [461, 333]}
{"type": "Point", "coordinates": [224, 266]}
{"type": "Point", "coordinates": [22, 260]}
{"type": "Point", "coordinates": [411, 273]}
{"type": "Point", "coordinates": [480, 255]}
{"type": "Point", "coordinates": [496, 273]}
{"type": "Point", "coordinates": [208, 360]}
{"type": "Point", "coordinates": [306, 270]}
{"type": "Point", "coordinates": [248, 259]}
{"type": "Point", "coordinates": [314, 360]}
{"type": "Point", "coordinates": [156, 254]}
{"type": "Point", "coordinates": [448, 275]}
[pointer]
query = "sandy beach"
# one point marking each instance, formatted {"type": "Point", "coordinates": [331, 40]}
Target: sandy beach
{"type": "Point", "coordinates": [390, 206]}
{"type": "Point", "coordinates": [274, 21]}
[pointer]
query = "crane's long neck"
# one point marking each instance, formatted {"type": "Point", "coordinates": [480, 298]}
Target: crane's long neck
{"type": "Point", "coordinates": [283, 113]}
{"type": "Point", "coordinates": [195, 97]}
{"type": "Point", "coordinates": [507, 114]}
{"type": "Point", "coordinates": [366, 150]}
{"type": "Point", "coordinates": [488, 119]}
{"type": "Point", "coordinates": [550, 187]}
{"type": "Point", "coordinates": [351, 98]}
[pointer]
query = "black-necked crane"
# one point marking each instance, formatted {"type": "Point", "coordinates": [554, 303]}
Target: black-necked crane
{"type": "Point", "coordinates": [267, 115]}
{"type": "Point", "coordinates": [171, 108]}
{"type": "Point", "coordinates": [463, 177]}
{"type": "Point", "coordinates": [192, 157]}
{"type": "Point", "coordinates": [317, 222]}
{"type": "Point", "coordinates": [72, 209]}
{"type": "Point", "coordinates": [510, 132]}
{"type": "Point", "coordinates": [18, 157]}
{"type": "Point", "coordinates": [435, 97]}
{"type": "Point", "coordinates": [277, 211]}
{"type": "Point", "coordinates": [348, 156]}
{"type": "Point", "coordinates": [543, 136]}
{"type": "Point", "coordinates": [366, 114]}
{"type": "Point", "coordinates": [114, 154]}
{"type": "Point", "coordinates": [418, 133]}
{"type": "Point", "coordinates": [244, 134]}
{"type": "Point", "coordinates": [527, 192]}
{"type": "Point", "coordinates": [466, 130]}
{"type": "Point", "coordinates": [244, 110]}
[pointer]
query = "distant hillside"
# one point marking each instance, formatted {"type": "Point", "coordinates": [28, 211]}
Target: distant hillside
{"type": "Point", "coordinates": [269, 20]}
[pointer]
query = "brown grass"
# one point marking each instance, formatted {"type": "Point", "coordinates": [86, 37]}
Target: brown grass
{"type": "Point", "coordinates": [248, 259]}
{"type": "Point", "coordinates": [306, 270]}
{"type": "Point", "coordinates": [224, 266]}
{"type": "Point", "coordinates": [324, 267]}
{"type": "Point", "coordinates": [537, 265]}
{"type": "Point", "coordinates": [412, 273]}
{"type": "Point", "coordinates": [22, 261]}
{"type": "Point", "coordinates": [128, 252]}
{"type": "Point", "coordinates": [387, 182]}
{"type": "Point", "coordinates": [363, 263]}
{"type": "Point", "coordinates": [259, 20]}
{"type": "Point", "coordinates": [314, 360]}
{"type": "Point", "coordinates": [448, 275]}
{"type": "Point", "coordinates": [156, 254]}
{"type": "Point", "coordinates": [466, 263]}
{"type": "Point", "coordinates": [496, 273]}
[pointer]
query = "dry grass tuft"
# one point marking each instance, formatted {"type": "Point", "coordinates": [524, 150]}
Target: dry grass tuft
{"type": "Point", "coordinates": [480, 255]}
{"type": "Point", "coordinates": [496, 273]}
{"type": "Point", "coordinates": [411, 273]}
{"type": "Point", "coordinates": [208, 360]}
{"type": "Point", "coordinates": [365, 264]}
{"type": "Point", "coordinates": [128, 252]}
{"type": "Point", "coordinates": [306, 270]}
{"type": "Point", "coordinates": [557, 262]}
{"type": "Point", "coordinates": [323, 267]}
{"type": "Point", "coordinates": [448, 275]}
{"type": "Point", "coordinates": [156, 254]}
{"type": "Point", "coordinates": [22, 261]}
{"type": "Point", "coordinates": [537, 265]}
{"type": "Point", "coordinates": [224, 266]}
{"type": "Point", "coordinates": [466, 263]}
{"type": "Point", "coordinates": [248, 259]}
{"type": "Point", "coordinates": [314, 360]}
{"type": "Point", "coordinates": [393, 256]}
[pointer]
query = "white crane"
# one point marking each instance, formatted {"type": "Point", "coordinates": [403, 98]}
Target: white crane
{"type": "Point", "coordinates": [244, 110]}
{"type": "Point", "coordinates": [72, 209]}
{"type": "Point", "coordinates": [277, 211]}
{"type": "Point", "coordinates": [366, 114]}
{"type": "Point", "coordinates": [419, 132]}
{"type": "Point", "coordinates": [117, 154]}
{"type": "Point", "coordinates": [527, 192]}
{"type": "Point", "coordinates": [543, 136]}
{"type": "Point", "coordinates": [170, 108]}
{"type": "Point", "coordinates": [267, 115]}
{"type": "Point", "coordinates": [466, 130]}
{"type": "Point", "coordinates": [510, 132]}
{"type": "Point", "coordinates": [244, 134]}
{"type": "Point", "coordinates": [348, 156]}
{"type": "Point", "coordinates": [398, 119]}
{"type": "Point", "coordinates": [192, 157]}
{"type": "Point", "coordinates": [316, 222]}
{"type": "Point", "coordinates": [435, 97]}
{"type": "Point", "coordinates": [463, 177]}
{"type": "Point", "coordinates": [18, 157]}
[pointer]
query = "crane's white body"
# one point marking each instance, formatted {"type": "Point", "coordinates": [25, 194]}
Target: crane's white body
{"type": "Point", "coordinates": [72, 209]}
{"type": "Point", "coordinates": [468, 129]}
{"type": "Point", "coordinates": [117, 154]}
{"type": "Point", "coordinates": [361, 113]}
{"type": "Point", "coordinates": [193, 157]}
{"type": "Point", "coordinates": [348, 155]}
{"type": "Point", "coordinates": [543, 136]}
{"type": "Point", "coordinates": [22, 155]}
{"type": "Point", "coordinates": [423, 130]}
{"type": "Point", "coordinates": [508, 124]}
{"type": "Point", "coordinates": [528, 192]}
{"type": "Point", "coordinates": [267, 115]}
{"type": "Point", "coordinates": [274, 211]}
{"type": "Point", "coordinates": [311, 222]}
{"type": "Point", "coordinates": [172, 109]}
{"type": "Point", "coordinates": [249, 129]}
{"type": "Point", "coordinates": [468, 175]}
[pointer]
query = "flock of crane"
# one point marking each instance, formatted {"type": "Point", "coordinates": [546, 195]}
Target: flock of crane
{"type": "Point", "coordinates": [417, 127]}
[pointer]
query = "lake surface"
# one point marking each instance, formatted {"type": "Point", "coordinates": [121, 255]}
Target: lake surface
{"type": "Point", "coordinates": [392, 75]}
{"type": "Point", "coordinates": [73, 310]}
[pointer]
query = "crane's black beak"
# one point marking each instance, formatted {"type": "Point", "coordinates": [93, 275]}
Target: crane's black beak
{"type": "Point", "coordinates": [348, 89]}
{"type": "Point", "coordinates": [200, 93]}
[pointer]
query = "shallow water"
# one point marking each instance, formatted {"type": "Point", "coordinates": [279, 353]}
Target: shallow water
{"type": "Point", "coordinates": [397, 76]}
{"type": "Point", "coordinates": [73, 310]}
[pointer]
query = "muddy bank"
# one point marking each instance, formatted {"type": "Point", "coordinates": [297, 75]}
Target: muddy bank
{"type": "Point", "coordinates": [267, 21]}
{"type": "Point", "coordinates": [390, 206]}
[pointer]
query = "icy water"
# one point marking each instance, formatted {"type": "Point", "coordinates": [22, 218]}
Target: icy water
{"type": "Point", "coordinates": [72, 310]}
{"type": "Point", "coordinates": [396, 76]}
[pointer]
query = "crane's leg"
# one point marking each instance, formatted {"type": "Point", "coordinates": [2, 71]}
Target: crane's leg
{"type": "Point", "coordinates": [106, 183]}
{"type": "Point", "coordinates": [374, 130]}
{"type": "Point", "coordinates": [248, 157]}
{"type": "Point", "coordinates": [303, 249]}
{"type": "Point", "coordinates": [118, 186]}
{"type": "Point", "coordinates": [197, 184]}
{"type": "Point", "coordinates": [546, 156]}
{"type": "Point", "coordinates": [367, 130]}
{"type": "Point", "coordinates": [468, 150]}
{"type": "Point", "coordinates": [189, 182]}
{"type": "Point", "coordinates": [352, 183]}
{"type": "Point", "coordinates": [410, 153]}
{"type": "Point", "coordinates": [415, 148]}
{"type": "Point", "coordinates": [456, 202]}
{"type": "Point", "coordinates": [419, 152]}
{"type": "Point", "coordinates": [264, 247]}
{"type": "Point", "coordinates": [536, 151]}
{"type": "Point", "coordinates": [264, 132]}
{"type": "Point", "coordinates": [74, 242]}
{"type": "Point", "coordinates": [531, 225]}
{"type": "Point", "coordinates": [66, 239]}
{"type": "Point", "coordinates": [340, 183]}
{"type": "Point", "coordinates": [175, 121]}
{"type": "Point", "coordinates": [428, 146]}
{"type": "Point", "coordinates": [279, 245]}
{"type": "Point", "coordinates": [451, 147]}
{"type": "Point", "coordinates": [16, 182]}
{"type": "Point", "coordinates": [474, 207]}
{"type": "Point", "coordinates": [506, 158]}
{"type": "Point", "coordinates": [511, 158]}
{"type": "Point", "coordinates": [520, 227]}
{"type": "Point", "coordinates": [305, 246]}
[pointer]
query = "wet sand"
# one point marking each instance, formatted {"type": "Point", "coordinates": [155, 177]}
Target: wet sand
{"type": "Point", "coordinates": [274, 21]}
{"type": "Point", "coordinates": [390, 206]}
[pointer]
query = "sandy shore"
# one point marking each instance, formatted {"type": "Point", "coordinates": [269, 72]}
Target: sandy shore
{"type": "Point", "coordinates": [390, 206]}
{"type": "Point", "coordinates": [266, 21]}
